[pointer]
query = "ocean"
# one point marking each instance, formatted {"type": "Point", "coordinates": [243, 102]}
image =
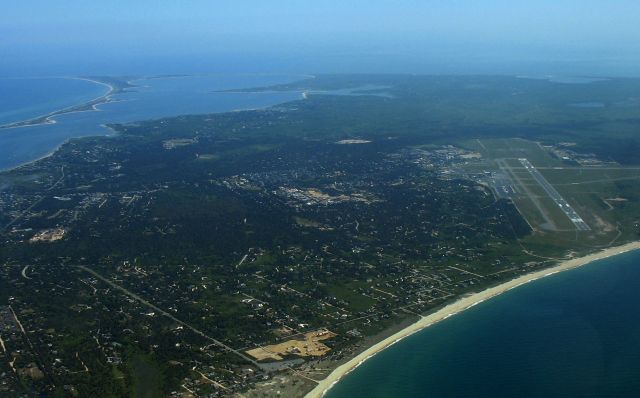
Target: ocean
{"type": "Point", "coordinates": [153, 98]}
{"type": "Point", "coordinates": [573, 334]}
{"type": "Point", "coordinates": [26, 98]}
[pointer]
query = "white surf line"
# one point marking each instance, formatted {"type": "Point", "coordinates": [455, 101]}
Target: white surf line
{"type": "Point", "coordinates": [460, 306]}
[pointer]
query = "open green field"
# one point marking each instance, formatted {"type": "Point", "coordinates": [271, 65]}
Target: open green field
{"type": "Point", "coordinates": [147, 377]}
{"type": "Point", "coordinates": [603, 195]}
{"type": "Point", "coordinates": [513, 148]}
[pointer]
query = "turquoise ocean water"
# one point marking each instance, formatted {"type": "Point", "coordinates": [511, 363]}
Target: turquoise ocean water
{"type": "Point", "coordinates": [22, 99]}
{"type": "Point", "coordinates": [573, 334]}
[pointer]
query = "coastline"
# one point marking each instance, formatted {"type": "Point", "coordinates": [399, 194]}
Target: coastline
{"type": "Point", "coordinates": [459, 306]}
{"type": "Point", "coordinates": [93, 105]}
{"type": "Point", "coordinates": [52, 152]}
{"type": "Point", "coordinates": [90, 105]}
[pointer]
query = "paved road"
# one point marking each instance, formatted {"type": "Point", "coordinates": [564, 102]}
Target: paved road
{"type": "Point", "coordinates": [34, 204]}
{"type": "Point", "coordinates": [168, 315]}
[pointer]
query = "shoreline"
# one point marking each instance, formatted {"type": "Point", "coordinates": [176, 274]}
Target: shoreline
{"type": "Point", "coordinates": [459, 306]}
{"type": "Point", "coordinates": [92, 106]}
{"type": "Point", "coordinates": [87, 106]}
{"type": "Point", "coordinates": [54, 150]}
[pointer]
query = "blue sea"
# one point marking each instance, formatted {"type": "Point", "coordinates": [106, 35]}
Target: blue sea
{"type": "Point", "coordinates": [26, 98]}
{"type": "Point", "coordinates": [152, 98]}
{"type": "Point", "coordinates": [573, 334]}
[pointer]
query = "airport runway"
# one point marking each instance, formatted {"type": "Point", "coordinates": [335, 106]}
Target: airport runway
{"type": "Point", "coordinates": [555, 195]}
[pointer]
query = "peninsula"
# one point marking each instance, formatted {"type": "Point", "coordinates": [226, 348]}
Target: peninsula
{"type": "Point", "coordinates": [114, 85]}
{"type": "Point", "coordinates": [268, 252]}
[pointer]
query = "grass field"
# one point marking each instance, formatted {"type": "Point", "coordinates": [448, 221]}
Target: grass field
{"type": "Point", "coordinates": [147, 378]}
{"type": "Point", "coordinates": [603, 195]}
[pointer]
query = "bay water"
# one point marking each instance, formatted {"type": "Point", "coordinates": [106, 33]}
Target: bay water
{"type": "Point", "coordinates": [151, 98]}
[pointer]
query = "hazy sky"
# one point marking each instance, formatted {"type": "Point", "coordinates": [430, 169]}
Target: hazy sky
{"type": "Point", "coordinates": [430, 36]}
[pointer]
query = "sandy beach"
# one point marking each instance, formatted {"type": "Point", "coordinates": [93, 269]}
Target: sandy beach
{"type": "Point", "coordinates": [459, 306]}
{"type": "Point", "coordinates": [90, 105]}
